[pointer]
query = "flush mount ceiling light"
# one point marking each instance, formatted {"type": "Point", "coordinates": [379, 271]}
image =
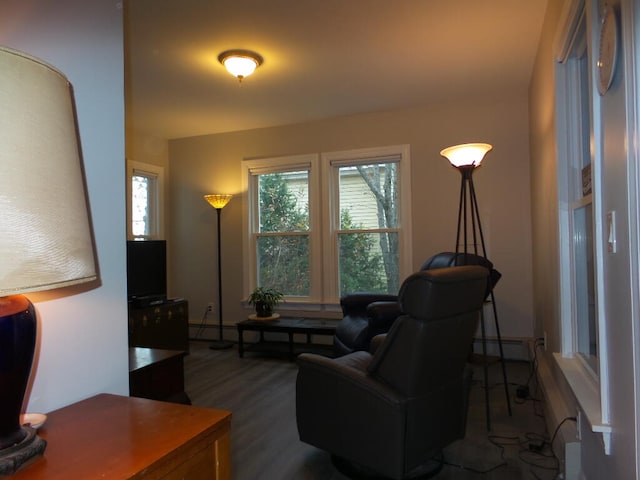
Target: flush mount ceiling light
{"type": "Point", "coordinates": [240, 63]}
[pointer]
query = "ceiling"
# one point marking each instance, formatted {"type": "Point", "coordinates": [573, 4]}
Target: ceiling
{"type": "Point", "coordinates": [322, 58]}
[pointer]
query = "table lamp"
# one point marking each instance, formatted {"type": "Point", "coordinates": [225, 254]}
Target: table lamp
{"type": "Point", "coordinates": [45, 231]}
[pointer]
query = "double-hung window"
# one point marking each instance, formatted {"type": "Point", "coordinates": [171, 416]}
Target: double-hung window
{"type": "Point", "coordinates": [584, 356]}
{"type": "Point", "coordinates": [144, 201]}
{"type": "Point", "coordinates": [322, 225]}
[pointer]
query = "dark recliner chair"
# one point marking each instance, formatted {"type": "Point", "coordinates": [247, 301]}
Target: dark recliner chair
{"type": "Point", "coordinates": [389, 413]}
{"type": "Point", "coordinates": [365, 315]}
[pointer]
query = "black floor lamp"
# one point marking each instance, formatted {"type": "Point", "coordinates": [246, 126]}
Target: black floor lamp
{"type": "Point", "coordinates": [466, 158]}
{"type": "Point", "coordinates": [218, 201]}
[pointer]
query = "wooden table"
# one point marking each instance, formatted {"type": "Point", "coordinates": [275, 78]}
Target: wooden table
{"type": "Point", "coordinates": [116, 437]}
{"type": "Point", "coordinates": [157, 374]}
{"type": "Point", "coordinates": [290, 326]}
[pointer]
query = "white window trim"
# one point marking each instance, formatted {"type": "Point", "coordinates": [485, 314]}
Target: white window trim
{"type": "Point", "coordinates": [590, 390]}
{"type": "Point", "coordinates": [323, 296]}
{"type": "Point", "coordinates": [158, 171]}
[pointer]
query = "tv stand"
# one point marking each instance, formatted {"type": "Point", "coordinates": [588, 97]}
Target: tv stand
{"type": "Point", "coordinates": [164, 326]}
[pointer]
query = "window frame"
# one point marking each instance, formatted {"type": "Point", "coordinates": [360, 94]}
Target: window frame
{"type": "Point", "coordinates": [324, 294]}
{"type": "Point", "coordinates": [156, 202]}
{"type": "Point", "coordinates": [589, 386]}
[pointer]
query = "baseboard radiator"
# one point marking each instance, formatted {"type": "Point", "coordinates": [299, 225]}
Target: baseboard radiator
{"type": "Point", "coordinates": [566, 445]}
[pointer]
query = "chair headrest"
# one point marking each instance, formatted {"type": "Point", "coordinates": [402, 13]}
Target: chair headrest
{"type": "Point", "coordinates": [432, 294]}
{"type": "Point", "coordinates": [452, 259]}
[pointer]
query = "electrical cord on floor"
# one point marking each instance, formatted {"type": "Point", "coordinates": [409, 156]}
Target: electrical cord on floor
{"type": "Point", "coordinates": [474, 470]}
{"type": "Point", "coordinates": [202, 322]}
{"type": "Point", "coordinates": [539, 452]}
{"type": "Point", "coordinates": [503, 462]}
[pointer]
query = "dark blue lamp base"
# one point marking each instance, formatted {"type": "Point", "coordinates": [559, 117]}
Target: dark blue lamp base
{"type": "Point", "coordinates": [18, 325]}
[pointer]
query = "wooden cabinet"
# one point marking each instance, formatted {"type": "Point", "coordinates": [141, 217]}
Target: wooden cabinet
{"type": "Point", "coordinates": [164, 326]}
{"type": "Point", "coordinates": [157, 374]}
{"type": "Point", "coordinates": [110, 436]}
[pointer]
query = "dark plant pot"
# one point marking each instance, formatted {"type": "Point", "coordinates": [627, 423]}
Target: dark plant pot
{"type": "Point", "coordinates": [263, 310]}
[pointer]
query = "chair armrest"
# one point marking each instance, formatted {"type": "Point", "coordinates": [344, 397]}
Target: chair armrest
{"type": "Point", "coordinates": [382, 315]}
{"type": "Point", "coordinates": [358, 301]}
{"type": "Point", "coordinates": [376, 342]}
{"type": "Point", "coordinates": [348, 374]}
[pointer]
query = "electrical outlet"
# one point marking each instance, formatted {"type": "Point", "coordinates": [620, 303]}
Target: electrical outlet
{"type": "Point", "coordinates": [210, 307]}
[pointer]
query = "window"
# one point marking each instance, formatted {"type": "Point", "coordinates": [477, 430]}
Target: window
{"type": "Point", "coordinates": [577, 192]}
{"type": "Point", "coordinates": [144, 201]}
{"type": "Point", "coordinates": [583, 359]}
{"type": "Point", "coordinates": [282, 236]}
{"type": "Point", "coordinates": [366, 223]}
{"type": "Point", "coordinates": [321, 225]}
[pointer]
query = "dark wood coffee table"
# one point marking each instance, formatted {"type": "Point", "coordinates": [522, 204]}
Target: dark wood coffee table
{"type": "Point", "coordinates": [290, 326]}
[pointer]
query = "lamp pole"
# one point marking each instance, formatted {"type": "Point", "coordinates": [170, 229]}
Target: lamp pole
{"type": "Point", "coordinates": [466, 158]}
{"type": "Point", "coordinates": [218, 201]}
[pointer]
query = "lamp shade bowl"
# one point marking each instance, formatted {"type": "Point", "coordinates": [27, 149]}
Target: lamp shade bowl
{"type": "Point", "coordinates": [218, 200]}
{"type": "Point", "coordinates": [466, 154]}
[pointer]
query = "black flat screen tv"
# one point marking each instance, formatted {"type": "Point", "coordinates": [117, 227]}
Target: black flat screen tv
{"type": "Point", "coordinates": [147, 270]}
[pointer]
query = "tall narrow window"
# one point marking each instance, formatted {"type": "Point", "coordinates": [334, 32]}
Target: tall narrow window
{"type": "Point", "coordinates": [578, 188]}
{"type": "Point", "coordinates": [367, 233]}
{"type": "Point", "coordinates": [581, 205]}
{"type": "Point", "coordinates": [282, 240]}
{"type": "Point", "coordinates": [145, 201]}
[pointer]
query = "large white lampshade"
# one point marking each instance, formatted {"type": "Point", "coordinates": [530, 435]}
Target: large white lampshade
{"type": "Point", "coordinates": [466, 154]}
{"type": "Point", "coordinates": [45, 232]}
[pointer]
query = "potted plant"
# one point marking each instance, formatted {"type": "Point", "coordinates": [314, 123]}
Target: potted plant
{"type": "Point", "coordinates": [264, 299]}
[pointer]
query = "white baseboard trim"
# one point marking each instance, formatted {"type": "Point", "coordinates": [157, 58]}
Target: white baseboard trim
{"type": "Point", "coordinates": [513, 348]}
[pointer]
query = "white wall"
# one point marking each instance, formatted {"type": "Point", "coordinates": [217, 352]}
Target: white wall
{"type": "Point", "coordinates": [620, 153]}
{"type": "Point", "coordinates": [83, 336]}
{"type": "Point", "coordinates": [212, 163]}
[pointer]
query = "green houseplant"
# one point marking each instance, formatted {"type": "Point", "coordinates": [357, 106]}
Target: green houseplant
{"type": "Point", "coordinates": [264, 299]}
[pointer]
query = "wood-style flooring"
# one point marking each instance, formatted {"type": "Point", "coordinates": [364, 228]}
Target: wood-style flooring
{"type": "Point", "coordinates": [260, 391]}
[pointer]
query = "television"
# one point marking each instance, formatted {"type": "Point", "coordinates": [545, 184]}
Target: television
{"type": "Point", "coordinates": [147, 271]}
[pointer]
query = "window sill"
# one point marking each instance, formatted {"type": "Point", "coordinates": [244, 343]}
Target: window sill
{"type": "Point", "coordinates": [587, 392]}
{"type": "Point", "coordinates": [293, 308]}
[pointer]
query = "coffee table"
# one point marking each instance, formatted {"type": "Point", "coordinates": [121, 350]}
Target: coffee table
{"type": "Point", "coordinates": [290, 326]}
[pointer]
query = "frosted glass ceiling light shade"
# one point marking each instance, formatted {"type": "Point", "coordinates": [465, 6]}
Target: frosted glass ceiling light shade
{"type": "Point", "coordinates": [466, 154]}
{"type": "Point", "coordinates": [218, 200]}
{"type": "Point", "coordinates": [240, 63]}
{"type": "Point", "coordinates": [45, 231]}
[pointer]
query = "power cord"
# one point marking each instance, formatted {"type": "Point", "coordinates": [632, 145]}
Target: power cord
{"type": "Point", "coordinates": [202, 322]}
{"type": "Point", "coordinates": [539, 452]}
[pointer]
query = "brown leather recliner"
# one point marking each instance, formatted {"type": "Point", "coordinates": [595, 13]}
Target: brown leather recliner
{"type": "Point", "coordinates": [389, 413]}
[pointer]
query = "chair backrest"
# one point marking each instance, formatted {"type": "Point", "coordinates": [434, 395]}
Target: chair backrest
{"type": "Point", "coordinates": [428, 345]}
{"type": "Point", "coordinates": [452, 259]}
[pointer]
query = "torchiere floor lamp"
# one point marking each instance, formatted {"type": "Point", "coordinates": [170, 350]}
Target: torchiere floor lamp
{"type": "Point", "coordinates": [218, 201]}
{"type": "Point", "coordinates": [466, 158]}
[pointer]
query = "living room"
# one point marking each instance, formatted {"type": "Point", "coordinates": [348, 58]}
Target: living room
{"type": "Point", "coordinates": [83, 340]}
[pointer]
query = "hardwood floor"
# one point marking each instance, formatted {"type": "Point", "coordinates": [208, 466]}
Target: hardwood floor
{"type": "Point", "coordinates": [260, 391]}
